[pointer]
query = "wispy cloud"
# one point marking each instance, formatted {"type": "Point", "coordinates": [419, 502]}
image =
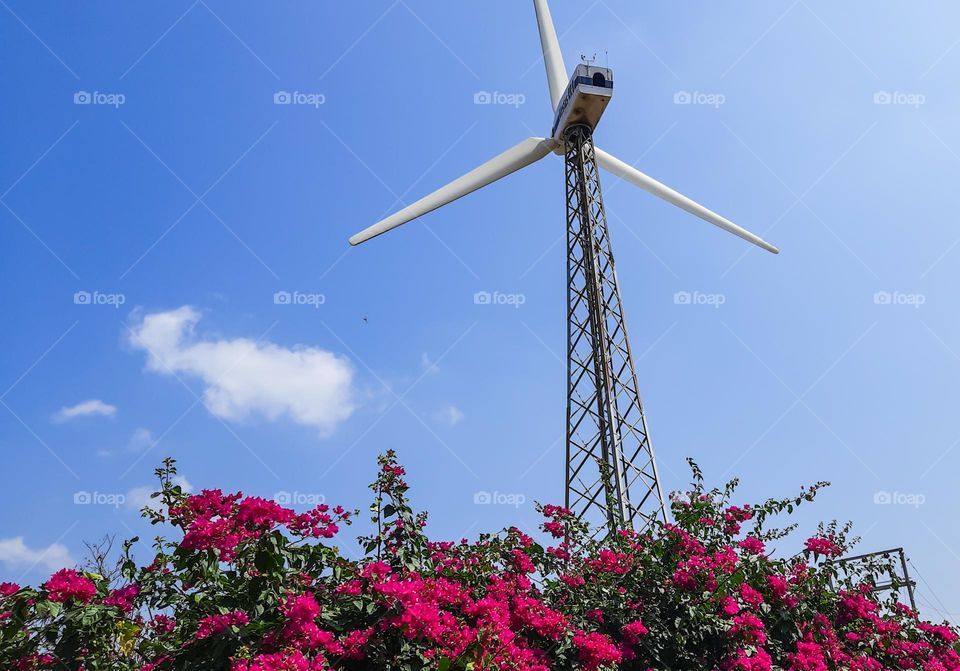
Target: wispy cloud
{"type": "Point", "coordinates": [92, 408]}
{"type": "Point", "coordinates": [138, 497]}
{"type": "Point", "coordinates": [16, 554]}
{"type": "Point", "coordinates": [451, 415]}
{"type": "Point", "coordinates": [244, 377]}
{"type": "Point", "coordinates": [142, 439]}
{"type": "Point", "coordinates": [427, 363]}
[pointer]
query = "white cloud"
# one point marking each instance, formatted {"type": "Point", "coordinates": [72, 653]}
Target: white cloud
{"type": "Point", "coordinates": [93, 407]}
{"type": "Point", "coordinates": [452, 415]}
{"type": "Point", "coordinates": [142, 439]}
{"type": "Point", "coordinates": [244, 377]}
{"type": "Point", "coordinates": [15, 553]}
{"type": "Point", "coordinates": [138, 497]}
{"type": "Point", "coordinates": [428, 365]}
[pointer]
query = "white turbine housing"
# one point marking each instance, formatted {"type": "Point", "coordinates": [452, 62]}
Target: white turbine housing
{"type": "Point", "coordinates": [585, 99]}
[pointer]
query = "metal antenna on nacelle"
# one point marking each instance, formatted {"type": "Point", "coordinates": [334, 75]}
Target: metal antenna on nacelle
{"type": "Point", "coordinates": [611, 474]}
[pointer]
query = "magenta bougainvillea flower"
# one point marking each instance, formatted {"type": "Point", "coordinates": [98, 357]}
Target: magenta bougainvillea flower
{"type": "Point", "coordinates": [245, 584]}
{"type": "Point", "coordinates": [67, 584]}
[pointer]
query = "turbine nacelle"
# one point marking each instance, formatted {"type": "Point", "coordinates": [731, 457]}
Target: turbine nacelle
{"type": "Point", "coordinates": [585, 99]}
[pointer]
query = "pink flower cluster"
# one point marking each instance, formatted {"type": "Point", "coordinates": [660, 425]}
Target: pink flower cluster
{"type": "Point", "coordinates": [215, 624]}
{"type": "Point", "coordinates": [67, 584]}
{"type": "Point", "coordinates": [824, 546]}
{"type": "Point", "coordinates": [122, 598]}
{"type": "Point", "coordinates": [595, 650]}
{"type": "Point", "coordinates": [213, 520]}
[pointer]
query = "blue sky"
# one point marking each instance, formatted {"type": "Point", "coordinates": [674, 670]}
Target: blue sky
{"type": "Point", "coordinates": [147, 167]}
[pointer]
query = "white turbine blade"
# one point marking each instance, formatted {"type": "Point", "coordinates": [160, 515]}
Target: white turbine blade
{"type": "Point", "coordinates": [529, 151]}
{"type": "Point", "coordinates": [552, 58]}
{"type": "Point", "coordinates": [634, 176]}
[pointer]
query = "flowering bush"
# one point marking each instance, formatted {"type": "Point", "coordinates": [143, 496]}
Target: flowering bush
{"type": "Point", "coordinates": [251, 586]}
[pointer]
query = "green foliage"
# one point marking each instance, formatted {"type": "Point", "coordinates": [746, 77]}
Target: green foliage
{"type": "Point", "coordinates": [246, 585]}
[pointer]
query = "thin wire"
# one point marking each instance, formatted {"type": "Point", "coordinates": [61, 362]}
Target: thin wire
{"type": "Point", "coordinates": [925, 602]}
{"type": "Point", "coordinates": [945, 612]}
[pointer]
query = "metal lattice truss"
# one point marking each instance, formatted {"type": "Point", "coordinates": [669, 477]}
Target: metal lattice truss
{"type": "Point", "coordinates": [612, 478]}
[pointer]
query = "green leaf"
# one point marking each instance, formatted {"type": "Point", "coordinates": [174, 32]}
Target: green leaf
{"type": "Point", "coordinates": [48, 609]}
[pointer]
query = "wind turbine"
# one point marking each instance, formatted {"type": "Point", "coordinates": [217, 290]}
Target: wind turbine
{"type": "Point", "coordinates": [611, 472]}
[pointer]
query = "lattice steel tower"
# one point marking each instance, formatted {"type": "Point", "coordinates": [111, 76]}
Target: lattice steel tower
{"type": "Point", "coordinates": [611, 475]}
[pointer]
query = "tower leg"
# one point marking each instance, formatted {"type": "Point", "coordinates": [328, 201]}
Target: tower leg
{"type": "Point", "coordinates": [611, 478]}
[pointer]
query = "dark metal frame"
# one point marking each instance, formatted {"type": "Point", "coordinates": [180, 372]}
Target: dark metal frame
{"type": "Point", "coordinates": [896, 582]}
{"type": "Point", "coordinates": [611, 476]}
